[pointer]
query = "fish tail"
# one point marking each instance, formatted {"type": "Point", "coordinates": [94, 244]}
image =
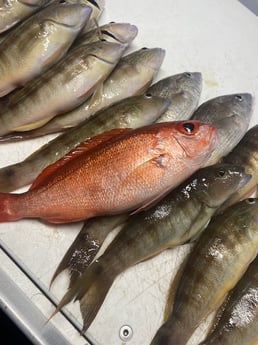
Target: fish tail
{"type": "Point", "coordinates": [91, 302]}
{"type": "Point", "coordinates": [170, 334]}
{"type": "Point", "coordinates": [8, 207]}
{"type": "Point", "coordinates": [90, 289]}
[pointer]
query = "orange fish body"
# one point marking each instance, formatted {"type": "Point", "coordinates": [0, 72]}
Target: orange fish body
{"type": "Point", "coordinates": [117, 171]}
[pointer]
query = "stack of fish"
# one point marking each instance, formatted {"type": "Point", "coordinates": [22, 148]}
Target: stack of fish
{"type": "Point", "coordinates": [132, 154]}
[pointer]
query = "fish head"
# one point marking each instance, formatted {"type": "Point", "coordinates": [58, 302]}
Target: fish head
{"type": "Point", "coordinates": [196, 139]}
{"type": "Point", "coordinates": [235, 108]}
{"type": "Point", "coordinates": [95, 4]}
{"type": "Point", "coordinates": [140, 110]}
{"type": "Point", "coordinates": [119, 32]}
{"type": "Point", "coordinates": [216, 183]}
{"type": "Point", "coordinates": [187, 82]}
{"type": "Point", "coordinates": [97, 7]}
{"type": "Point", "coordinates": [231, 115]}
{"type": "Point", "coordinates": [146, 58]}
{"type": "Point", "coordinates": [68, 15]}
{"type": "Point", "coordinates": [106, 51]}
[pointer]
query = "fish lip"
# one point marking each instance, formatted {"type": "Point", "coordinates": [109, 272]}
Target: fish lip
{"type": "Point", "coordinates": [131, 32]}
{"type": "Point", "coordinates": [244, 180]}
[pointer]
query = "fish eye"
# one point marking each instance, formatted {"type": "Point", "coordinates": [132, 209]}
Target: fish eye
{"type": "Point", "coordinates": [188, 74]}
{"type": "Point", "coordinates": [189, 127]}
{"type": "Point", "coordinates": [239, 98]}
{"type": "Point", "coordinates": [148, 95]}
{"type": "Point", "coordinates": [250, 201]}
{"type": "Point", "coordinates": [221, 173]}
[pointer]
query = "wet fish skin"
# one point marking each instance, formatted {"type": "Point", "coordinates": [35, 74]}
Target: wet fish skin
{"type": "Point", "coordinates": [113, 32]}
{"type": "Point", "coordinates": [197, 198]}
{"type": "Point", "coordinates": [176, 218]}
{"type": "Point", "coordinates": [45, 39]}
{"type": "Point", "coordinates": [63, 87]}
{"type": "Point", "coordinates": [231, 115]}
{"type": "Point", "coordinates": [86, 245]}
{"type": "Point", "coordinates": [13, 12]}
{"type": "Point", "coordinates": [85, 178]}
{"type": "Point", "coordinates": [132, 76]}
{"type": "Point", "coordinates": [97, 10]}
{"type": "Point", "coordinates": [132, 112]}
{"type": "Point", "coordinates": [245, 154]}
{"type": "Point", "coordinates": [216, 264]}
{"type": "Point", "coordinates": [183, 90]}
{"type": "Point", "coordinates": [238, 323]}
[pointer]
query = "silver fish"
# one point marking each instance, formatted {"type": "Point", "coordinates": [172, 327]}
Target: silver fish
{"type": "Point", "coordinates": [13, 12]}
{"type": "Point", "coordinates": [231, 115]}
{"type": "Point", "coordinates": [217, 262]}
{"type": "Point", "coordinates": [65, 86]}
{"type": "Point", "coordinates": [40, 41]}
{"type": "Point", "coordinates": [183, 90]}
{"type": "Point", "coordinates": [132, 76]}
{"type": "Point", "coordinates": [132, 112]}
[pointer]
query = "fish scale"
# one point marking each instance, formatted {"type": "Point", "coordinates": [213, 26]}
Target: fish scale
{"type": "Point", "coordinates": [174, 220]}
{"type": "Point", "coordinates": [46, 38]}
{"type": "Point", "coordinates": [219, 259]}
{"type": "Point", "coordinates": [73, 189]}
{"type": "Point", "coordinates": [78, 73]}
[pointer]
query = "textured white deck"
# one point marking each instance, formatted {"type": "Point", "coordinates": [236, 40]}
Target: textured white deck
{"type": "Point", "coordinates": [217, 38]}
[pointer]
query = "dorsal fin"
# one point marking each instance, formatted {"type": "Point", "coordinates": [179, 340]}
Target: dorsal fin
{"type": "Point", "coordinates": [82, 148]}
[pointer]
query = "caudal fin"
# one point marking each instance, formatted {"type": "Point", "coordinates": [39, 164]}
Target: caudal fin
{"type": "Point", "coordinates": [8, 203]}
{"type": "Point", "coordinates": [86, 246]}
{"type": "Point", "coordinates": [90, 289]}
{"type": "Point", "coordinates": [91, 302]}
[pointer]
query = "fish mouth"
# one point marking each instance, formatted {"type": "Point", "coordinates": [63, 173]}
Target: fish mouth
{"type": "Point", "coordinates": [244, 180]}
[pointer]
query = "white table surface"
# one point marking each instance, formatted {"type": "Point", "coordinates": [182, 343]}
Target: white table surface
{"type": "Point", "coordinates": [218, 38]}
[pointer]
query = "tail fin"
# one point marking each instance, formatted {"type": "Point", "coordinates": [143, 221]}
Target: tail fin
{"type": "Point", "coordinates": [7, 212]}
{"type": "Point", "coordinates": [91, 302]}
{"type": "Point", "coordinates": [90, 289]}
{"type": "Point", "coordinates": [86, 246]}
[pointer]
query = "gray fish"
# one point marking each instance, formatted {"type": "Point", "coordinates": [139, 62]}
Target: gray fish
{"type": "Point", "coordinates": [13, 12]}
{"type": "Point", "coordinates": [65, 86]}
{"type": "Point", "coordinates": [183, 90]}
{"type": "Point", "coordinates": [174, 220]}
{"type": "Point", "coordinates": [231, 115]}
{"type": "Point", "coordinates": [216, 264]}
{"type": "Point", "coordinates": [132, 76]}
{"type": "Point", "coordinates": [245, 154]}
{"type": "Point", "coordinates": [40, 41]}
{"type": "Point", "coordinates": [238, 323]}
{"type": "Point", "coordinates": [132, 112]}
